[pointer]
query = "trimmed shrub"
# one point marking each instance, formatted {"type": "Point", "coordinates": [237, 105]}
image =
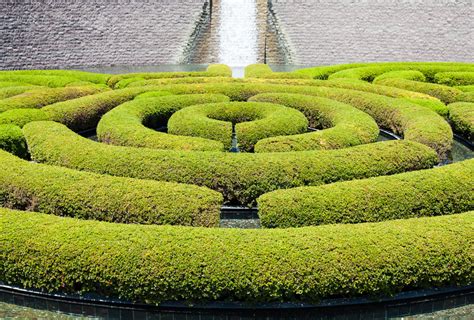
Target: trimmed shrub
{"type": "Point", "coordinates": [368, 71]}
{"type": "Point", "coordinates": [84, 76]}
{"type": "Point", "coordinates": [323, 72]}
{"type": "Point", "coordinates": [155, 264]}
{"type": "Point", "coordinates": [409, 120]}
{"type": "Point", "coordinates": [439, 191]}
{"type": "Point", "coordinates": [125, 125]}
{"type": "Point", "coordinates": [455, 78]}
{"type": "Point", "coordinates": [42, 97]}
{"type": "Point", "coordinates": [469, 88]}
{"type": "Point", "coordinates": [12, 140]}
{"type": "Point", "coordinates": [66, 192]}
{"type": "Point", "coordinates": [264, 71]}
{"type": "Point", "coordinates": [84, 113]}
{"type": "Point", "coordinates": [429, 69]}
{"type": "Point", "coordinates": [466, 97]}
{"type": "Point", "coordinates": [414, 75]}
{"type": "Point", "coordinates": [6, 84]}
{"type": "Point", "coordinates": [461, 115]}
{"type": "Point", "coordinates": [434, 105]}
{"type": "Point", "coordinates": [240, 177]}
{"type": "Point", "coordinates": [20, 117]}
{"type": "Point", "coordinates": [167, 81]}
{"type": "Point", "coordinates": [152, 94]}
{"type": "Point", "coordinates": [217, 70]}
{"type": "Point", "coordinates": [38, 79]}
{"type": "Point", "coordinates": [444, 93]}
{"type": "Point", "coordinates": [342, 124]}
{"type": "Point", "coordinates": [253, 121]}
{"type": "Point", "coordinates": [8, 92]}
{"type": "Point", "coordinates": [338, 83]}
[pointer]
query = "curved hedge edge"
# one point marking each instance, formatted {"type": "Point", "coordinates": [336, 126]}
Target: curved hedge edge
{"type": "Point", "coordinates": [66, 192]}
{"type": "Point", "coordinates": [414, 75]}
{"type": "Point", "coordinates": [7, 84]}
{"type": "Point", "coordinates": [468, 88]}
{"type": "Point", "coordinates": [219, 70]}
{"type": "Point", "coordinates": [439, 191]}
{"type": "Point", "coordinates": [126, 125]}
{"type": "Point", "coordinates": [342, 124]}
{"type": "Point", "coordinates": [429, 69]}
{"type": "Point", "coordinates": [12, 140]}
{"type": "Point", "coordinates": [455, 78]}
{"type": "Point", "coordinates": [20, 117]}
{"type": "Point", "coordinates": [434, 105]}
{"type": "Point", "coordinates": [155, 264]}
{"type": "Point", "coordinates": [84, 113]}
{"type": "Point", "coordinates": [152, 94]}
{"type": "Point", "coordinates": [461, 115]}
{"type": "Point", "coordinates": [363, 70]}
{"type": "Point", "coordinates": [51, 81]}
{"type": "Point", "coordinates": [213, 70]}
{"type": "Point", "coordinates": [98, 78]}
{"type": "Point", "coordinates": [263, 71]}
{"type": "Point", "coordinates": [42, 97]}
{"type": "Point", "coordinates": [253, 122]}
{"type": "Point", "coordinates": [466, 97]}
{"type": "Point", "coordinates": [240, 177]}
{"type": "Point", "coordinates": [8, 92]}
{"type": "Point", "coordinates": [444, 93]}
{"type": "Point", "coordinates": [414, 122]}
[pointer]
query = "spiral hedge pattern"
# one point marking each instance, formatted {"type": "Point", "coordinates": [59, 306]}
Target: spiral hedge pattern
{"type": "Point", "coordinates": [135, 215]}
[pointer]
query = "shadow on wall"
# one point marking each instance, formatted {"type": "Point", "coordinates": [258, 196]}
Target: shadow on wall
{"type": "Point", "coordinates": [238, 33]}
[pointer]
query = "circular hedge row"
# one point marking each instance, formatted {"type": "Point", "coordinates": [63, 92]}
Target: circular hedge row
{"type": "Point", "coordinates": [136, 175]}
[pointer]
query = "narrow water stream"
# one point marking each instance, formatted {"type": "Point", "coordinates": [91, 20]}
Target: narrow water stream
{"type": "Point", "coordinates": [238, 35]}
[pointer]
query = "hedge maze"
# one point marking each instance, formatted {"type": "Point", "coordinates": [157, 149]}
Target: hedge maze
{"type": "Point", "coordinates": [135, 215]}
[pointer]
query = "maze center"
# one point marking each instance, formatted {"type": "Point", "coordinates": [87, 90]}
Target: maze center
{"type": "Point", "coordinates": [135, 215]}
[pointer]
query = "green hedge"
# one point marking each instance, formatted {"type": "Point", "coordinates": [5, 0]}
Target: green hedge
{"type": "Point", "coordinates": [409, 120]}
{"type": "Point", "coordinates": [444, 93]}
{"type": "Point", "coordinates": [461, 115]}
{"type": "Point", "coordinates": [240, 177]}
{"type": "Point", "coordinates": [402, 117]}
{"type": "Point", "coordinates": [338, 83]}
{"type": "Point", "coordinates": [264, 71]}
{"type": "Point", "coordinates": [126, 124]}
{"type": "Point", "coordinates": [466, 97]}
{"type": "Point", "coordinates": [154, 264]}
{"type": "Point", "coordinates": [368, 71]}
{"type": "Point", "coordinates": [7, 84]}
{"type": "Point", "coordinates": [135, 82]}
{"type": "Point", "coordinates": [254, 121]}
{"type": "Point", "coordinates": [429, 69]}
{"type": "Point", "coordinates": [8, 92]}
{"type": "Point", "coordinates": [84, 113]}
{"type": "Point", "coordinates": [52, 81]}
{"type": "Point", "coordinates": [455, 78]}
{"type": "Point", "coordinates": [343, 125]}
{"type": "Point", "coordinates": [468, 88]}
{"type": "Point", "coordinates": [12, 140]}
{"type": "Point", "coordinates": [439, 191]}
{"type": "Point", "coordinates": [97, 78]}
{"type": "Point", "coordinates": [42, 97]}
{"type": "Point", "coordinates": [66, 192]}
{"type": "Point", "coordinates": [20, 117]}
{"type": "Point", "coordinates": [414, 75]}
{"type": "Point", "coordinates": [216, 70]}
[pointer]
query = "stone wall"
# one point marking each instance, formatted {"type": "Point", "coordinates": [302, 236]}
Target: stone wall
{"type": "Point", "coordinates": [86, 33]}
{"type": "Point", "coordinates": [69, 33]}
{"type": "Point", "coordinates": [338, 31]}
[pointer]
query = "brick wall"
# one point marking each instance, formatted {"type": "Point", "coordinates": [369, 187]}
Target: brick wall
{"type": "Point", "coordinates": [339, 31]}
{"type": "Point", "coordinates": [68, 33]}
